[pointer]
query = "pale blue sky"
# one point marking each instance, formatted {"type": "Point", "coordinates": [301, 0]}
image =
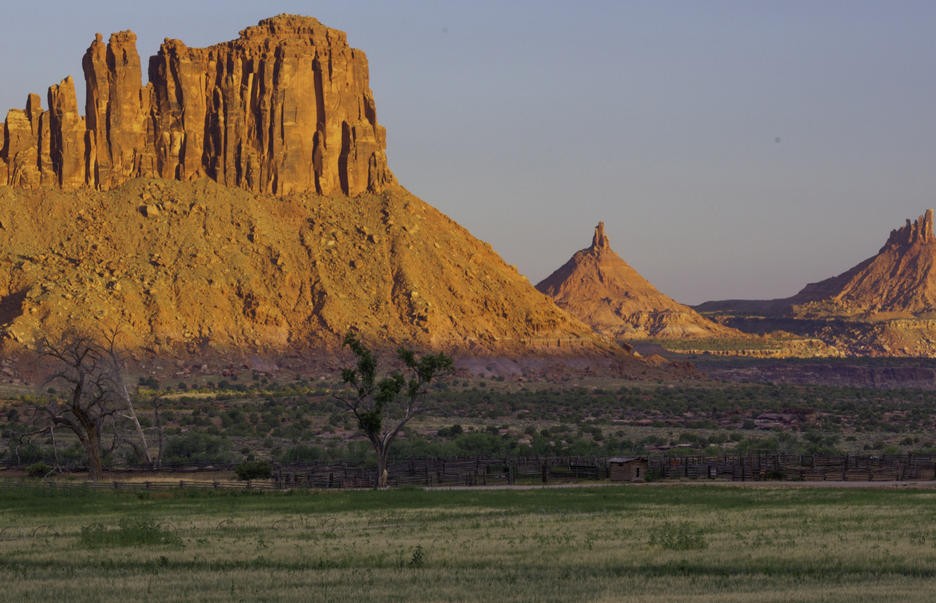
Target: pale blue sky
{"type": "Point", "coordinates": [734, 149]}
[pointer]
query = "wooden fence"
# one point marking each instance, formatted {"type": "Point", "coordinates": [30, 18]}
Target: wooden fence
{"type": "Point", "coordinates": [545, 470]}
{"type": "Point", "coordinates": [430, 472]}
{"type": "Point", "coordinates": [447, 472]}
{"type": "Point", "coordinates": [771, 466]}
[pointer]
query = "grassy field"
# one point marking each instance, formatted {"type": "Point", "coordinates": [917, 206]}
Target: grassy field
{"type": "Point", "coordinates": [640, 543]}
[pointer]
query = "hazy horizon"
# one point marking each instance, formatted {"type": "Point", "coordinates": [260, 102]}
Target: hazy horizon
{"type": "Point", "coordinates": [733, 149]}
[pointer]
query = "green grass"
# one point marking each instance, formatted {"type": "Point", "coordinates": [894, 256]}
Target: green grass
{"type": "Point", "coordinates": [645, 543]}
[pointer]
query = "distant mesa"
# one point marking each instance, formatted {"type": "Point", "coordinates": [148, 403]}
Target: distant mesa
{"type": "Point", "coordinates": [285, 107]}
{"type": "Point", "coordinates": [601, 289]}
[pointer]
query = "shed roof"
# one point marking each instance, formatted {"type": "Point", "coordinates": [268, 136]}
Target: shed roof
{"type": "Point", "coordinates": [627, 459]}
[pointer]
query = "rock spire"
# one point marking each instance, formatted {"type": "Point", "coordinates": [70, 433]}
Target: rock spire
{"type": "Point", "coordinates": [917, 231]}
{"type": "Point", "coordinates": [605, 292]}
{"type": "Point", "coordinates": [285, 107]}
{"type": "Point", "coordinates": [599, 240]}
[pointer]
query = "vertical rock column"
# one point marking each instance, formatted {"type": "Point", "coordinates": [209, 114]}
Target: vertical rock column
{"type": "Point", "coordinates": [117, 106]}
{"type": "Point", "coordinates": [181, 88]}
{"type": "Point", "coordinates": [67, 135]}
{"type": "Point", "coordinates": [21, 150]}
{"type": "Point", "coordinates": [25, 159]}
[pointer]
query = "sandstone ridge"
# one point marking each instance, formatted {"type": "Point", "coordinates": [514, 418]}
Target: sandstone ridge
{"type": "Point", "coordinates": [601, 289]}
{"type": "Point", "coordinates": [285, 107]}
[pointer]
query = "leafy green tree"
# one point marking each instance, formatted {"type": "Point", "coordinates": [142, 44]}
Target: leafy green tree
{"type": "Point", "coordinates": [384, 405]}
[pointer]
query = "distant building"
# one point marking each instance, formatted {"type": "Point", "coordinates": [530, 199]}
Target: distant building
{"type": "Point", "coordinates": [628, 469]}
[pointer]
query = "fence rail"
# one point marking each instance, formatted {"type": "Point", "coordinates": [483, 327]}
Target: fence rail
{"type": "Point", "coordinates": [765, 466]}
{"type": "Point", "coordinates": [430, 472]}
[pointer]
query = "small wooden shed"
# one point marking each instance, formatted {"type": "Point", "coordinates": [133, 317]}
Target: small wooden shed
{"type": "Point", "coordinates": [628, 469]}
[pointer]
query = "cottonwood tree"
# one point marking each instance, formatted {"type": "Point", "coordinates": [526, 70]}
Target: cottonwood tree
{"type": "Point", "coordinates": [384, 405]}
{"type": "Point", "coordinates": [95, 396]}
{"type": "Point", "coordinates": [88, 401]}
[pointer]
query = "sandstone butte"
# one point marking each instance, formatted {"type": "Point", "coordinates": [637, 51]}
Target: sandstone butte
{"type": "Point", "coordinates": [885, 305]}
{"type": "Point", "coordinates": [601, 289]}
{"type": "Point", "coordinates": [241, 200]}
{"type": "Point", "coordinates": [285, 107]}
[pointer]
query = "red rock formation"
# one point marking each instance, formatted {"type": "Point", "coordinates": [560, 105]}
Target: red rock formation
{"type": "Point", "coordinates": [67, 149]}
{"type": "Point", "coordinates": [285, 107]}
{"type": "Point", "coordinates": [117, 109]}
{"type": "Point", "coordinates": [918, 231]}
{"type": "Point", "coordinates": [899, 280]}
{"type": "Point", "coordinates": [602, 290]}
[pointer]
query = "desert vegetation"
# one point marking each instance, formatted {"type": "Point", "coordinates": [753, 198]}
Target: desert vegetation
{"type": "Point", "coordinates": [240, 416]}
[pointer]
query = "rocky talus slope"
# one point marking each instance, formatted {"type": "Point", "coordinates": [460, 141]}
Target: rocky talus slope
{"type": "Point", "coordinates": [190, 265]}
{"type": "Point", "coordinates": [601, 289]}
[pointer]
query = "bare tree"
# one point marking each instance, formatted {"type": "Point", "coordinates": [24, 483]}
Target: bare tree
{"type": "Point", "coordinates": [88, 402]}
{"type": "Point", "coordinates": [383, 406]}
{"type": "Point", "coordinates": [115, 366]}
{"type": "Point", "coordinates": [156, 402]}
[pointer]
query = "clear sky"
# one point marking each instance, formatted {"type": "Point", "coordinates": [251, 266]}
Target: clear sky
{"type": "Point", "coordinates": [734, 149]}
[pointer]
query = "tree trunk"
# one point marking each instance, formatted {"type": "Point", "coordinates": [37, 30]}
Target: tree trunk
{"type": "Point", "coordinates": [93, 445]}
{"type": "Point", "coordinates": [382, 476]}
{"type": "Point", "coordinates": [157, 462]}
{"type": "Point", "coordinates": [144, 446]}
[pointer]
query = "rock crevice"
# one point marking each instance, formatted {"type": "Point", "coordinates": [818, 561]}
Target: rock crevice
{"type": "Point", "coordinates": [286, 107]}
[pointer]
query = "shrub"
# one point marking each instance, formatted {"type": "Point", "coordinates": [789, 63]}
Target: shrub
{"type": "Point", "coordinates": [450, 432]}
{"type": "Point", "coordinates": [39, 469]}
{"type": "Point", "coordinates": [195, 448]}
{"type": "Point", "coordinates": [131, 531]}
{"type": "Point", "coordinates": [254, 470]}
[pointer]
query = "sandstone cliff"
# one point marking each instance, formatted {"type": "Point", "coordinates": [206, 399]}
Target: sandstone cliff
{"type": "Point", "coordinates": [601, 289]}
{"type": "Point", "coordinates": [285, 107]}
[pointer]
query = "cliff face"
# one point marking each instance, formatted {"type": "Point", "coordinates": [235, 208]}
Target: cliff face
{"type": "Point", "coordinates": [285, 107]}
{"type": "Point", "coordinates": [602, 290]}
